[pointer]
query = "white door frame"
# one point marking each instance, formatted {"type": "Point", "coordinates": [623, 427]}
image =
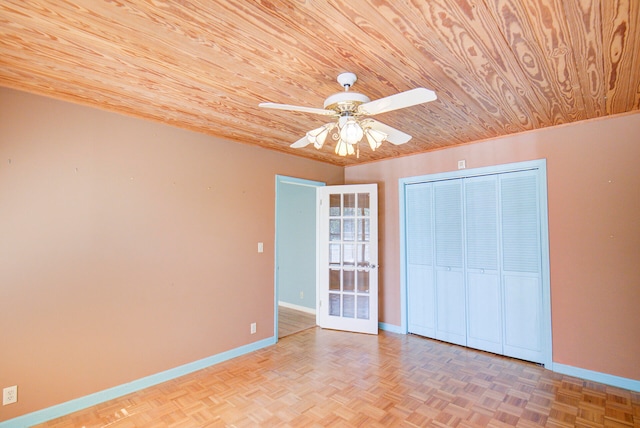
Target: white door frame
{"type": "Point", "coordinates": [541, 166]}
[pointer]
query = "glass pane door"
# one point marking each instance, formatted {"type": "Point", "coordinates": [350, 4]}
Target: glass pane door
{"type": "Point", "coordinates": [348, 258]}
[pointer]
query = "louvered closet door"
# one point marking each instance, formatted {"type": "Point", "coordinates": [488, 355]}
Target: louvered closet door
{"type": "Point", "coordinates": [419, 238]}
{"type": "Point", "coordinates": [484, 297]}
{"type": "Point", "coordinates": [450, 289]}
{"type": "Point", "coordinates": [521, 266]}
{"type": "Point", "coordinates": [474, 263]}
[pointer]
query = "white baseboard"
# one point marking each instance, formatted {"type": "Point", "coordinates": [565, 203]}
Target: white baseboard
{"type": "Point", "coordinates": [297, 307]}
{"type": "Point", "coordinates": [617, 381]}
{"type": "Point", "coordinates": [44, 415]}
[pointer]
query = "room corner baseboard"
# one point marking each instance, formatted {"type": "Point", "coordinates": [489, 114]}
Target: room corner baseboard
{"type": "Point", "coordinates": [297, 307]}
{"type": "Point", "coordinates": [391, 328]}
{"type": "Point", "coordinates": [56, 411]}
{"type": "Point", "coordinates": [617, 381]}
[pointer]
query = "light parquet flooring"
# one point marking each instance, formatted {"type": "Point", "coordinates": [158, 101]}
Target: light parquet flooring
{"type": "Point", "coordinates": [324, 378]}
{"type": "Point", "coordinates": [292, 321]}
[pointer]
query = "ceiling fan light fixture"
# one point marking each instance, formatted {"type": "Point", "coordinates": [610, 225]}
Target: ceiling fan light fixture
{"type": "Point", "coordinates": [374, 137]}
{"type": "Point", "coordinates": [343, 148]}
{"type": "Point", "coordinates": [318, 136]}
{"type": "Point", "coordinates": [351, 132]}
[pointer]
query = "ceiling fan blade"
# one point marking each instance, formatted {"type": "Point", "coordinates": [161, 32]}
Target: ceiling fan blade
{"type": "Point", "coordinates": [394, 136]}
{"type": "Point", "coordinates": [398, 101]}
{"type": "Point", "coordinates": [302, 142]}
{"type": "Point", "coordinates": [298, 108]}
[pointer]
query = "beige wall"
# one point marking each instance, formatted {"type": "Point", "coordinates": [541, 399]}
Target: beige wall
{"type": "Point", "coordinates": [593, 183]}
{"type": "Point", "coordinates": [127, 247]}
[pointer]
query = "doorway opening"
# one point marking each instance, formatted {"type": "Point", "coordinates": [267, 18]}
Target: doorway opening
{"type": "Point", "coordinates": [295, 255]}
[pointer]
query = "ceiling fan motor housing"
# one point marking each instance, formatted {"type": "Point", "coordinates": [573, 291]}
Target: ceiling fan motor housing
{"type": "Point", "coordinates": [345, 101]}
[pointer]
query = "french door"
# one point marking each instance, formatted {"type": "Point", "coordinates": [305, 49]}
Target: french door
{"type": "Point", "coordinates": [348, 258]}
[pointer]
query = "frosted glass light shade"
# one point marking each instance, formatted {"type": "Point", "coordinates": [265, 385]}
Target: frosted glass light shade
{"type": "Point", "coordinates": [351, 132]}
{"type": "Point", "coordinates": [319, 135]}
{"type": "Point", "coordinates": [374, 137]}
{"type": "Point", "coordinates": [343, 148]}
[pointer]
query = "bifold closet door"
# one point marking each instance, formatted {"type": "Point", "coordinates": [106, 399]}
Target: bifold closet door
{"type": "Point", "coordinates": [420, 277]}
{"type": "Point", "coordinates": [484, 295]}
{"type": "Point", "coordinates": [521, 266]}
{"type": "Point", "coordinates": [451, 319]}
{"type": "Point", "coordinates": [474, 266]}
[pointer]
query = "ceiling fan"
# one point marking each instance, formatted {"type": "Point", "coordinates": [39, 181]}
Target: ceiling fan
{"type": "Point", "coordinates": [351, 109]}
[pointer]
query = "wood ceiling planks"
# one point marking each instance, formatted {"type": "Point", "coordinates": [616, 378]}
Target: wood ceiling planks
{"type": "Point", "coordinates": [498, 66]}
{"type": "Point", "coordinates": [621, 41]}
{"type": "Point", "coordinates": [585, 43]}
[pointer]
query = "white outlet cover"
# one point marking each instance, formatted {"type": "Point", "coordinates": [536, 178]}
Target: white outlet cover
{"type": "Point", "coordinates": [10, 395]}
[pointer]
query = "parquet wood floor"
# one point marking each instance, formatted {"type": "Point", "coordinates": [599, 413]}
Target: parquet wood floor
{"type": "Point", "coordinates": [292, 321]}
{"type": "Point", "coordinates": [324, 378]}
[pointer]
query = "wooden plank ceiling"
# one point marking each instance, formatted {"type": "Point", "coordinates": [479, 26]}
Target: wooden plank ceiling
{"type": "Point", "coordinates": [497, 66]}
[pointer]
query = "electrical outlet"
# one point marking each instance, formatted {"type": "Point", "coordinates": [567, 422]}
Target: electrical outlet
{"type": "Point", "coordinates": [253, 328]}
{"type": "Point", "coordinates": [302, 294]}
{"type": "Point", "coordinates": [10, 395]}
